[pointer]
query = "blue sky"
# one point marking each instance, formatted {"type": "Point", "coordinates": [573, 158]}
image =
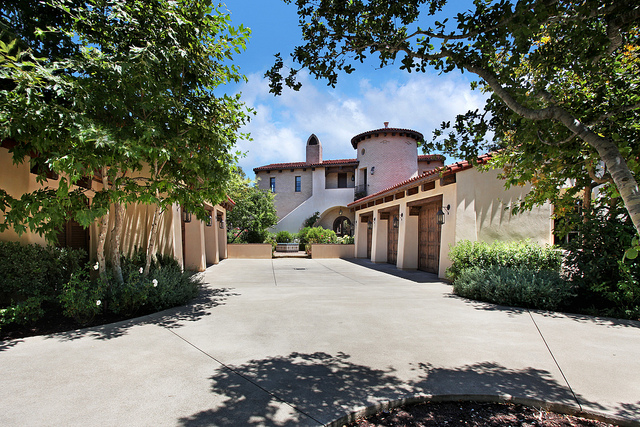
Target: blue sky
{"type": "Point", "coordinates": [360, 102]}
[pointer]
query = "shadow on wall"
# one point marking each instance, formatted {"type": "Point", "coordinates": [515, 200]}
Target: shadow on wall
{"type": "Point", "coordinates": [315, 389]}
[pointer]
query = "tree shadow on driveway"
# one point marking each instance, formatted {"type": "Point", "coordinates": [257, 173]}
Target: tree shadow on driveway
{"type": "Point", "coordinates": [317, 388]}
{"type": "Point", "coordinates": [176, 317]}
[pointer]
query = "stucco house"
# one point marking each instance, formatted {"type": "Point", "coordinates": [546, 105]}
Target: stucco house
{"type": "Point", "coordinates": [194, 243]}
{"type": "Point", "coordinates": [329, 186]}
{"type": "Point", "coordinates": [408, 209]}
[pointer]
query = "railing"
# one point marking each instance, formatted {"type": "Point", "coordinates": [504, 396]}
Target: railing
{"type": "Point", "coordinates": [359, 191]}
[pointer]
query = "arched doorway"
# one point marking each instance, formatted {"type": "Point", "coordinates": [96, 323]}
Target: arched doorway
{"type": "Point", "coordinates": [342, 226]}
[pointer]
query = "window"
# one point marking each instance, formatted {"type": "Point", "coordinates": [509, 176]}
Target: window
{"type": "Point", "coordinates": [298, 184]}
{"type": "Point", "coordinates": [342, 180]}
{"type": "Point", "coordinates": [272, 184]}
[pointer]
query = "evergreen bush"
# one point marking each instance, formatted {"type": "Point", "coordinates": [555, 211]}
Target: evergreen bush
{"type": "Point", "coordinates": [513, 286]}
{"type": "Point", "coordinates": [522, 254]}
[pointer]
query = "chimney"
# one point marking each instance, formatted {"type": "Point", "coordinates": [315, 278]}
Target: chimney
{"type": "Point", "coordinates": [386, 125]}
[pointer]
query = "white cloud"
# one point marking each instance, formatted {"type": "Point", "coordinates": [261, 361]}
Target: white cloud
{"type": "Point", "coordinates": [283, 124]}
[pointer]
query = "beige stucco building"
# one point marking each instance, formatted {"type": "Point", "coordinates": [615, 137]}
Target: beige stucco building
{"type": "Point", "coordinates": [194, 243]}
{"type": "Point", "coordinates": [392, 197]}
{"type": "Point", "coordinates": [384, 157]}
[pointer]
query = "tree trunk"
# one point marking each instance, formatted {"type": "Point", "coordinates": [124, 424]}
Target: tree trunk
{"type": "Point", "coordinates": [115, 242]}
{"type": "Point", "coordinates": [153, 236]}
{"type": "Point", "coordinates": [102, 234]}
{"type": "Point", "coordinates": [609, 153]}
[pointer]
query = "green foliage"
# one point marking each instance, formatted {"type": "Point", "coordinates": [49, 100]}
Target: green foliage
{"type": "Point", "coordinates": [310, 235]}
{"type": "Point", "coordinates": [80, 298]}
{"type": "Point", "coordinates": [31, 277]}
{"type": "Point", "coordinates": [119, 86]}
{"type": "Point", "coordinates": [562, 78]}
{"type": "Point", "coordinates": [311, 221]}
{"type": "Point", "coordinates": [284, 237]}
{"type": "Point", "coordinates": [166, 285]}
{"type": "Point", "coordinates": [253, 213]}
{"type": "Point", "coordinates": [171, 287]}
{"type": "Point", "coordinates": [346, 240]}
{"type": "Point", "coordinates": [523, 254]}
{"type": "Point", "coordinates": [38, 281]}
{"type": "Point", "coordinates": [606, 284]}
{"type": "Point", "coordinates": [519, 287]}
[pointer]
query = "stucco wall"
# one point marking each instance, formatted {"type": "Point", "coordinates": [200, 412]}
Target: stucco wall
{"type": "Point", "coordinates": [332, 251]}
{"type": "Point", "coordinates": [250, 251]}
{"type": "Point", "coordinates": [286, 198]}
{"type": "Point", "coordinates": [483, 201]}
{"type": "Point", "coordinates": [395, 159]}
{"type": "Point", "coordinates": [477, 201]}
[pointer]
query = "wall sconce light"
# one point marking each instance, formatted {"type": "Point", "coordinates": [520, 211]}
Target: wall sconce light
{"type": "Point", "coordinates": [373, 170]}
{"type": "Point", "coordinates": [340, 212]}
{"type": "Point", "coordinates": [395, 222]}
{"type": "Point", "coordinates": [370, 225]}
{"type": "Point", "coordinates": [208, 223]}
{"type": "Point", "coordinates": [353, 178]}
{"type": "Point", "coordinates": [186, 216]}
{"type": "Point", "coordinates": [440, 214]}
{"type": "Point", "coordinates": [221, 224]}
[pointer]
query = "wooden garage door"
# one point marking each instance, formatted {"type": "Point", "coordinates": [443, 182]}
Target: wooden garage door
{"type": "Point", "coordinates": [392, 239]}
{"type": "Point", "coordinates": [429, 237]}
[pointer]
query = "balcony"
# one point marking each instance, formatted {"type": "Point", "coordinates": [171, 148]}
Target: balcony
{"type": "Point", "coordinates": [359, 191]}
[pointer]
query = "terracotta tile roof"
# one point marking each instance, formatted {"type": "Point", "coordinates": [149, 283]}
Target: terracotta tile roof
{"type": "Point", "coordinates": [299, 165]}
{"type": "Point", "coordinates": [427, 176]}
{"type": "Point", "coordinates": [431, 157]}
{"type": "Point", "coordinates": [364, 135]}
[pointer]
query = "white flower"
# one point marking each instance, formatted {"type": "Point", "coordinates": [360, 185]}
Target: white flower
{"type": "Point", "coordinates": [141, 270]}
{"type": "Point", "coordinates": [155, 283]}
{"type": "Point", "coordinates": [97, 266]}
{"type": "Point", "coordinates": [98, 302]}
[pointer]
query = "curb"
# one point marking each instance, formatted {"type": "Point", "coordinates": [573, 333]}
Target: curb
{"type": "Point", "coordinates": [558, 408]}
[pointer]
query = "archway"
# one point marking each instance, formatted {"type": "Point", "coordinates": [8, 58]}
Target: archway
{"type": "Point", "coordinates": [342, 226]}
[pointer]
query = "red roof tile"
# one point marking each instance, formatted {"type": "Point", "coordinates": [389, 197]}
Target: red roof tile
{"type": "Point", "coordinates": [299, 165]}
{"type": "Point", "coordinates": [447, 170]}
{"type": "Point", "coordinates": [410, 133]}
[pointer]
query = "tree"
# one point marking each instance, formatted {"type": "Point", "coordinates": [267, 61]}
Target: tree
{"type": "Point", "coordinates": [254, 211]}
{"type": "Point", "coordinates": [134, 103]}
{"type": "Point", "coordinates": [563, 78]}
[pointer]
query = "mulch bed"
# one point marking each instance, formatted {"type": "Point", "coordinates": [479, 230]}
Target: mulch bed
{"type": "Point", "coordinates": [472, 414]}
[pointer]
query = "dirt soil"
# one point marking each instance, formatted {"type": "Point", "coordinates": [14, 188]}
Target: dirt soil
{"type": "Point", "coordinates": [472, 414]}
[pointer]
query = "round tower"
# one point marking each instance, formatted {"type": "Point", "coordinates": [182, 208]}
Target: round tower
{"type": "Point", "coordinates": [386, 157]}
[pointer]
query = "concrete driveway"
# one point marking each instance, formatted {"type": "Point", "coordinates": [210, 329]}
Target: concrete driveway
{"type": "Point", "coordinates": [303, 342]}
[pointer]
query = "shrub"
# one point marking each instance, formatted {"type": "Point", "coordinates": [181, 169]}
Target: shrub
{"type": "Point", "coordinates": [31, 278]}
{"type": "Point", "coordinates": [170, 286]}
{"type": "Point", "coordinates": [518, 287]}
{"type": "Point", "coordinates": [320, 235]}
{"type": "Point", "coordinates": [311, 221]}
{"type": "Point", "coordinates": [523, 254]}
{"type": "Point", "coordinates": [81, 298]}
{"type": "Point", "coordinates": [346, 240]}
{"type": "Point", "coordinates": [606, 285]}
{"type": "Point", "coordinates": [284, 237]}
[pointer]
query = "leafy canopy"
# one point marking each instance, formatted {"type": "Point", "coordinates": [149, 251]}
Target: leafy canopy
{"type": "Point", "coordinates": [563, 77]}
{"type": "Point", "coordinates": [128, 88]}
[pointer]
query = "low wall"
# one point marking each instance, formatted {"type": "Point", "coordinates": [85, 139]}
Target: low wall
{"type": "Point", "coordinates": [250, 251]}
{"type": "Point", "coordinates": [319, 250]}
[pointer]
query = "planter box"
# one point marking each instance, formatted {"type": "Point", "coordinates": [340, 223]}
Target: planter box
{"type": "Point", "coordinates": [250, 250]}
{"type": "Point", "coordinates": [320, 250]}
{"type": "Point", "coordinates": [287, 247]}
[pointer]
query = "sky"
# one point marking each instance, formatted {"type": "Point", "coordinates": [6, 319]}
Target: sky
{"type": "Point", "coordinates": [360, 102]}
